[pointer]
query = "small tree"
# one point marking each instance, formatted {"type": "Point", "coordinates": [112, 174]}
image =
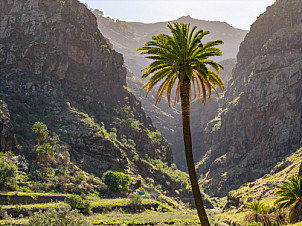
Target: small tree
{"type": "Point", "coordinates": [8, 172]}
{"type": "Point", "coordinates": [40, 132]}
{"type": "Point", "coordinates": [116, 181]}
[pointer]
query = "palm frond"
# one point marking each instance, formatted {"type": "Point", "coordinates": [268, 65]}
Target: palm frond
{"type": "Point", "coordinates": [290, 193]}
{"type": "Point", "coordinates": [179, 55]}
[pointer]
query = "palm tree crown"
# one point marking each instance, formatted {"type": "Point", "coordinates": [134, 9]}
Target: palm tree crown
{"type": "Point", "coordinates": [290, 193]}
{"type": "Point", "coordinates": [182, 55]}
{"type": "Point", "coordinates": [40, 131]}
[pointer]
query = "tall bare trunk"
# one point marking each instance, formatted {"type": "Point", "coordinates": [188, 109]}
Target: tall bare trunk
{"type": "Point", "coordinates": [185, 109]}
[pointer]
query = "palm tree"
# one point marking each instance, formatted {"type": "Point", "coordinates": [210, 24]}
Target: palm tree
{"type": "Point", "coordinates": [45, 153]}
{"type": "Point", "coordinates": [182, 57]}
{"type": "Point", "coordinates": [290, 193]}
{"type": "Point", "coordinates": [40, 131]}
{"type": "Point", "coordinates": [257, 208]}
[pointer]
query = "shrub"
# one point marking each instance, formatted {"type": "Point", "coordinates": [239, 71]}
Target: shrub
{"type": "Point", "coordinates": [116, 181]}
{"type": "Point", "coordinates": [8, 172]}
{"type": "Point", "coordinates": [79, 203]}
{"type": "Point", "coordinates": [2, 213]}
{"type": "Point", "coordinates": [135, 202]}
{"type": "Point", "coordinates": [59, 217]}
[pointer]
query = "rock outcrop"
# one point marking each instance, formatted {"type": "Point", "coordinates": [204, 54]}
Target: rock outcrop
{"type": "Point", "coordinates": [259, 119]}
{"type": "Point", "coordinates": [56, 67]}
{"type": "Point", "coordinates": [6, 129]}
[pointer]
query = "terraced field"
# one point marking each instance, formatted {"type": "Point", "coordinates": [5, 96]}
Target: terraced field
{"type": "Point", "coordinates": [105, 211]}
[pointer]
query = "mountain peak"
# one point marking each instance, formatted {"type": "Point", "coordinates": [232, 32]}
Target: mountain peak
{"type": "Point", "coordinates": [185, 18]}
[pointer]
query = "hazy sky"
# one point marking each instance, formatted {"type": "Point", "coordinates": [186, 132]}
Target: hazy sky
{"type": "Point", "coordinates": [238, 13]}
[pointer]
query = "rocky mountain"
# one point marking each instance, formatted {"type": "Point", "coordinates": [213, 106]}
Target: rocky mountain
{"type": "Point", "coordinates": [57, 68]}
{"type": "Point", "coordinates": [126, 37]}
{"type": "Point", "coordinates": [258, 121]}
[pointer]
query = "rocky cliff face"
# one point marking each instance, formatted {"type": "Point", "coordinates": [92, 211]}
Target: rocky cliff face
{"type": "Point", "coordinates": [6, 129]}
{"type": "Point", "coordinates": [56, 67]}
{"type": "Point", "coordinates": [259, 119]}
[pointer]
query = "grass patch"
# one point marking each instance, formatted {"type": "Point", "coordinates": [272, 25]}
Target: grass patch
{"type": "Point", "coordinates": [145, 217]}
{"type": "Point", "coordinates": [34, 195]}
{"type": "Point", "coordinates": [117, 202]}
{"type": "Point", "coordinates": [232, 216]}
{"type": "Point", "coordinates": [32, 206]}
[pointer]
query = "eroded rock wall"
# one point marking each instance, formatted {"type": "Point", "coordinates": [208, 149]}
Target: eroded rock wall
{"type": "Point", "coordinates": [260, 117]}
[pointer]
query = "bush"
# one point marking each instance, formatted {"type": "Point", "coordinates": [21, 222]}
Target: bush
{"type": "Point", "coordinates": [2, 213]}
{"type": "Point", "coordinates": [135, 202]}
{"type": "Point", "coordinates": [116, 181]}
{"type": "Point", "coordinates": [8, 172]}
{"type": "Point", "coordinates": [79, 203]}
{"type": "Point", "coordinates": [59, 217]}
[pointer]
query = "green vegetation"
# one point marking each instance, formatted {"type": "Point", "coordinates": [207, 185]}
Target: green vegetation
{"type": "Point", "coordinates": [59, 217]}
{"type": "Point", "coordinates": [116, 181]}
{"type": "Point", "coordinates": [290, 196]}
{"type": "Point", "coordinates": [236, 100]}
{"type": "Point", "coordinates": [155, 136]}
{"type": "Point", "coordinates": [87, 120]}
{"type": "Point", "coordinates": [8, 172]}
{"type": "Point", "coordinates": [40, 132]}
{"type": "Point", "coordinates": [135, 202]}
{"type": "Point", "coordinates": [47, 168]}
{"type": "Point", "coordinates": [76, 202]}
{"type": "Point", "coordinates": [268, 188]}
{"type": "Point", "coordinates": [45, 154]}
{"type": "Point", "coordinates": [148, 217]}
{"type": "Point", "coordinates": [257, 209]}
{"type": "Point", "coordinates": [184, 57]}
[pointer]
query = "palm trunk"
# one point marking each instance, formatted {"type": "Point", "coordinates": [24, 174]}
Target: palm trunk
{"type": "Point", "coordinates": [185, 109]}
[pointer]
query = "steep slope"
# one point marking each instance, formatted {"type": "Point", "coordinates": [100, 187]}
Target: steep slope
{"type": "Point", "coordinates": [263, 189]}
{"type": "Point", "coordinates": [56, 67]}
{"type": "Point", "coordinates": [259, 119]}
{"type": "Point", "coordinates": [127, 36]}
